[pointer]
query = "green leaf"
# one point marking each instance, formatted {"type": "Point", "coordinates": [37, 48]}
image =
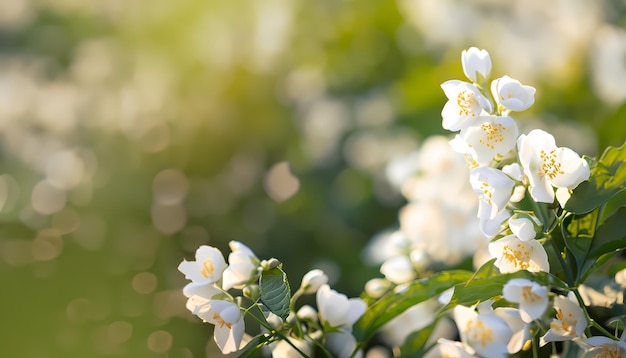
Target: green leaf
{"type": "Point", "coordinates": [253, 347]}
{"type": "Point", "coordinates": [611, 235]}
{"type": "Point", "coordinates": [403, 297]}
{"type": "Point", "coordinates": [415, 343]}
{"type": "Point", "coordinates": [480, 290]}
{"type": "Point", "coordinates": [275, 291]}
{"type": "Point", "coordinates": [578, 233]}
{"type": "Point", "coordinates": [608, 178]}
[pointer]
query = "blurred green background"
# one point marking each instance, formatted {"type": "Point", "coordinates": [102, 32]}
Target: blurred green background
{"type": "Point", "coordinates": [131, 132]}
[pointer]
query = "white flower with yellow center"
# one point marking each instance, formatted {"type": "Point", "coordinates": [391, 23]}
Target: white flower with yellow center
{"type": "Point", "coordinates": [465, 104]}
{"type": "Point", "coordinates": [243, 266]}
{"type": "Point", "coordinates": [229, 324]}
{"type": "Point", "coordinates": [488, 137]}
{"type": "Point", "coordinates": [570, 321]}
{"type": "Point", "coordinates": [513, 254]}
{"type": "Point", "coordinates": [494, 189]}
{"type": "Point", "coordinates": [603, 347]}
{"type": "Point", "coordinates": [511, 94]}
{"type": "Point", "coordinates": [487, 334]}
{"type": "Point", "coordinates": [531, 297]}
{"type": "Point", "coordinates": [548, 166]}
{"type": "Point", "coordinates": [476, 64]}
{"type": "Point", "coordinates": [207, 268]}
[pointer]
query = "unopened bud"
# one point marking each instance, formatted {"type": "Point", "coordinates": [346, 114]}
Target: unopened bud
{"type": "Point", "coordinates": [313, 280]}
{"type": "Point", "coordinates": [377, 287]}
{"type": "Point", "coordinates": [270, 264]}
{"type": "Point", "coordinates": [252, 292]}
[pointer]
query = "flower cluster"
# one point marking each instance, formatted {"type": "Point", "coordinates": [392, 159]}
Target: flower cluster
{"type": "Point", "coordinates": [286, 332]}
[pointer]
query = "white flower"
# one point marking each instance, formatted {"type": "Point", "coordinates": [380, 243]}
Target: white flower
{"type": "Point", "coordinates": [229, 324]}
{"type": "Point", "coordinates": [531, 297]}
{"type": "Point", "coordinates": [521, 330]}
{"type": "Point", "coordinates": [199, 295]}
{"type": "Point", "coordinates": [494, 189]}
{"type": "Point", "coordinates": [524, 226]}
{"type": "Point", "coordinates": [513, 254]}
{"type": "Point", "coordinates": [207, 268]}
{"type": "Point", "coordinates": [476, 64]}
{"type": "Point", "coordinates": [341, 344]}
{"type": "Point", "coordinates": [487, 137]}
{"type": "Point", "coordinates": [487, 334]}
{"type": "Point", "coordinates": [547, 166]}
{"type": "Point", "coordinates": [492, 227]}
{"type": "Point", "coordinates": [398, 269]}
{"type": "Point", "coordinates": [377, 287]}
{"type": "Point", "coordinates": [312, 281]}
{"type": "Point", "coordinates": [243, 266]}
{"type": "Point", "coordinates": [465, 104]}
{"type": "Point", "coordinates": [282, 349]}
{"type": "Point", "coordinates": [570, 321]}
{"type": "Point", "coordinates": [511, 94]}
{"type": "Point", "coordinates": [513, 170]}
{"type": "Point", "coordinates": [600, 346]}
{"type": "Point", "coordinates": [449, 349]}
{"type": "Point", "coordinates": [337, 310]}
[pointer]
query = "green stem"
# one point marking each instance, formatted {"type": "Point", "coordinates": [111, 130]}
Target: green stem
{"type": "Point", "coordinates": [568, 274]}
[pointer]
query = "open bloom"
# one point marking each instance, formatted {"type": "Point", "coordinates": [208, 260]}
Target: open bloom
{"type": "Point", "coordinates": [531, 297]}
{"type": "Point", "coordinates": [229, 324]}
{"type": "Point", "coordinates": [207, 268]}
{"type": "Point", "coordinates": [337, 310]}
{"type": "Point", "coordinates": [487, 137]}
{"type": "Point", "coordinates": [465, 104]}
{"type": "Point", "coordinates": [513, 254]}
{"type": "Point", "coordinates": [476, 64]}
{"type": "Point", "coordinates": [243, 266]}
{"type": "Point", "coordinates": [511, 94]}
{"type": "Point", "coordinates": [521, 330]}
{"type": "Point", "coordinates": [547, 166]}
{"type": "Point", "coordinates": [494, 189]}
{"type": "Point", "coordinates": [600, 346]}
{"type": "Point", "coordinates": [487, 334]}
{"type": "Point", "coordinates": [570, 321]}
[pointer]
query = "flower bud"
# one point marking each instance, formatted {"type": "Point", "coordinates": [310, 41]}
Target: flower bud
{"type": "Point", "coordinates": [377, 287]}
{"type": "Point", "coordinates": [252, 292]}
{"type": "Point", "coordinates": [312, 280]}
{"type": "Point", "coordinates": [307, 312]}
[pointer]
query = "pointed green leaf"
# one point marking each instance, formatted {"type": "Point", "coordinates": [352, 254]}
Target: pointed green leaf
{"type": "Point", "coordinates": [608, 178]}
{"type": "Point", "coordinates": [253, 347]}
{"type": "Point", "coordinates": [611, 235]}
{"type": "Point", "coordinates": [415, 343]}
{"type": "Point", "coordinates": [275, 291]}
{"type": "Point", "coordinates": [403, 297]}
{"type": "Point", "coordinates": [578, 233]}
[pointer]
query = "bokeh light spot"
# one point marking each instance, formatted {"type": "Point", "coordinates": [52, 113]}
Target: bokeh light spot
{"type": "Point", "coordinates": [47, 199]}
{"type": "Point", "coordinates": [159, 341]}
{"type": "Point", "coordinates": [280, 183]}
{"type": "Point", "coordinates": [144, 282]}
{"type": "Point", "coordinates": [47, 245]}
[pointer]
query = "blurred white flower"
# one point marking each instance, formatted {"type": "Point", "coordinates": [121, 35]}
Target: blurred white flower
{"type": "Point", "coordinates": [600, 346]}
{"type": "Point", "coordinates": [398, 269]}
{"type": "Point", "coordinates": [513, 254]}
{"type": "Point", "coordinates": [476, 64]}
{"type": "Point", "coordinates": [283, 349]}
{"type": "Point", "coordinates": [207, 268]}
{"type": "Point", "coordinates": [511, 94]}
{"type": "Point", "coordinates": [547, 166]}
{"type": "Point", "coordinates": [229, 324]}
{"type": "Point", "coordinates": [486, 138]}
{"type": "Point", "coordinates": [312, 281]}
{"type": "Point", "coordinates": [494, 189]}
{"type": "Point", "coordinates": [465, 104]}
{"type": "Point", "coordinates": [243, 266]}
{"type": "Point", "coordinates": [487, 334]}
{"type": "Point", "coordinates": [452, 349]}
{"type": "Point", "coordinates": [531, 297]}
{"type": "Point", "coordinates": [377, 287]}
{"type": "Point", "coordinates": [570, 321]}
{"type": "Point", "coordinates": [337, 310]}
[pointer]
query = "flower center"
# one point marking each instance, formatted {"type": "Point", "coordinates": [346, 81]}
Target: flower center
{"type": "Point", "coordinates": [493, 134]}
{"type": "Point", "coordinates": [610, 352]}
{"type": "Point", "coordinates": [466, 101]}
{"type": "Point", "coordinates": [518, 257]}
{"type": "Point", "coordinates": [487, 191]}
{"type": "Point", "coordinates": [564, 324]}
{"type": "Point", "coordinates": [549, 166]}
{"type": "Point", "coordinates": [529, 295]}
{"type": "Point", "coordinates": [207, 268]}
{"type": "Point", "coordinates": [477, 332]}
{"type": "Point", "coordinates": [219, 321]}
